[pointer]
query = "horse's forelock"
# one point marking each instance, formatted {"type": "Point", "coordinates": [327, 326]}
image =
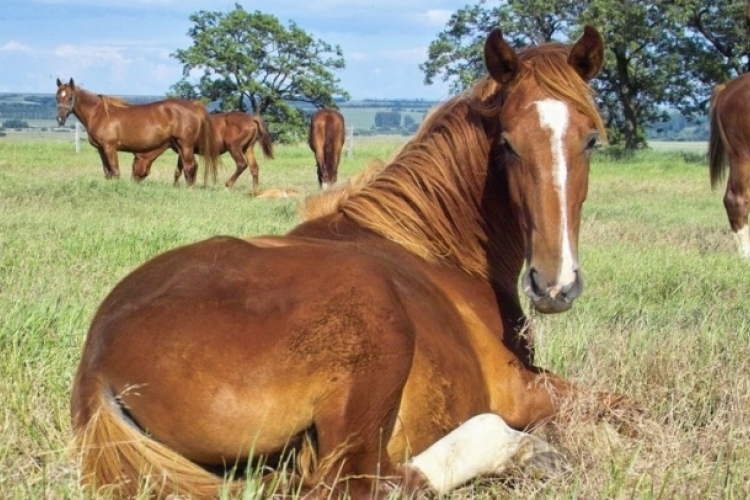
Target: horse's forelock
{"type": "Point", "coordinates": [548, 65]}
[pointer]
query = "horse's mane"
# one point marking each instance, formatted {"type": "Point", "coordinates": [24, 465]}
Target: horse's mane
{"type": "Point", "coordinates": [429, 198]}
{"type": "Point", "coordinates": [115, 102]}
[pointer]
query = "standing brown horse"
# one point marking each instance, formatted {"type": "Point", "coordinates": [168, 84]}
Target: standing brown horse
{"type": "Point", "coordinates": [729, 142]}
{"type": "Point", "coordinates": [369, 335]}
{"type": "Point", "coordinates": [235, 132]}
{"type": "Point", "coordinates": [114, 125]}
{"type": "Point", "coordinates": [326, 139]}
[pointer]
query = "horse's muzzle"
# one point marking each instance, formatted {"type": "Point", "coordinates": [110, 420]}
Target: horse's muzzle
{"type": "Point", "coordinates": [549, 299]}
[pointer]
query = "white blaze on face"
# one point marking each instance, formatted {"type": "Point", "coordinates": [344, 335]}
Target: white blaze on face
{"type": "Point", "coordinates": [553, 116]}
{"type": "Point", "coordinates": [63, 93]}
{"type": "Point", "coordinates": [742, 237]}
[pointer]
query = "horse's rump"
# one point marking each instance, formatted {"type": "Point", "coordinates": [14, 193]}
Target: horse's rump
{"type": "Point", "coordinates": [326, 139]}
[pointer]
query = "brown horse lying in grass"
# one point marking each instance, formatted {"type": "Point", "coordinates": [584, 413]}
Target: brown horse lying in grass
{"type": "Point", "coordinates": [326, 138]}
{"type": "Point", "coordinates": [234, 132]}
{"type": "Point", "coordinates": [381, 344]}
{"type": "Point", "coordinates": [114, 125]}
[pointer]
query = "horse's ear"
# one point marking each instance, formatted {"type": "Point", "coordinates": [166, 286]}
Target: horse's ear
{"type": "Point", "coordinates": [587, 54]}
{"type": "Point", "coordinates": [71, 82]}
{"type": "Point", "coordinates": [59, 83]}
{"type": "Point", "coordinates": [500, 58]}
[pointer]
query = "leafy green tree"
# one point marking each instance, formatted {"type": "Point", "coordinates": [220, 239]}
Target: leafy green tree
{"type": "Point", "coordinates": [643, 71]}
{"type": "Point", "coordinates": [250, 61]}
{"type": "Point", "coordinates": [456, 55]}
{"type": "Point", "coordinates": [717, 46]}
{"type": "Point", "coordinates": [388, 119]}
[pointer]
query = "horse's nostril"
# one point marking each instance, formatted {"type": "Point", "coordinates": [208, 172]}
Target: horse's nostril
{"type": "Point", "coordinates": [534, 283]}
{"type": "Point", "coordinates": [573, 289]}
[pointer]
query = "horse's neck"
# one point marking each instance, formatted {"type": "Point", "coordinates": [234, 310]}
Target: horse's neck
{"type": "Point", "coordinates": [506, 241]}
{"type": "Point", "coordinates": [86, 105]}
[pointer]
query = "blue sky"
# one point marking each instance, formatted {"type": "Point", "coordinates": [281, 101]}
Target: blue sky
{"type": "Point", "coordinates": [122, 47]}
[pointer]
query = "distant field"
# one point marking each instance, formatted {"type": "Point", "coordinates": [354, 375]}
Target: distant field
{"type": "Point", "coordinates": [690, 147]}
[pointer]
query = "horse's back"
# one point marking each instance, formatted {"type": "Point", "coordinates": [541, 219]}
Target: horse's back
{"type": "Point", "coordinates": [233, 128]}
{"type": "Point", "coordinates": [732, 107]}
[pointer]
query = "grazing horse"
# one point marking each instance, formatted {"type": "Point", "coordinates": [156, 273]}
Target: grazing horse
{"type": "Point", "coordinates": [326, 139]}
{"type": "Point", "coordinates": [114, 125]}
{"type": "Point", "coordinates": [729, 143]}
{"type": "Point", "coordinates": [235, 132]}
{"type": "Point", "coordinates": [382, 344]}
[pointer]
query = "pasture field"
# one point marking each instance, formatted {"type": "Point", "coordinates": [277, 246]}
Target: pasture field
{"type": "Point", "coordinates": [664, 318]}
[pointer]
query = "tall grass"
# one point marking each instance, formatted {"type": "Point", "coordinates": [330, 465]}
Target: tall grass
{"type": "Point", "coordinates": [664, 317]}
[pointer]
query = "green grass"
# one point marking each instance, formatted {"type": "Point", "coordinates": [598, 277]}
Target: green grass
{"type": "Point", "coordinates": [664, 317]}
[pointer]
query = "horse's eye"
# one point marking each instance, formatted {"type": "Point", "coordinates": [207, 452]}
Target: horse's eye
{"type": "Point", "coordinates": [507, 147]}
{"type": "Point", "coordinates": [593, 142]}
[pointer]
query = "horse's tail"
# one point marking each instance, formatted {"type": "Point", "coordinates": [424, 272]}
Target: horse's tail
{"type": "Point", "coordinates": [332, 146]}
{"type": "Point", "coordinates": [265, 137]}
{"type": "Point", "coordinates": [115, 456]}
{"type": "Point", "coordinates": [717, 154]}
{"type": "Point", "coordinates": [207, 145]}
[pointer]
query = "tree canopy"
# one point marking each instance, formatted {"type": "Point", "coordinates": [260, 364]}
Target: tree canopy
{"type": "Point", "coordinates": [249, 61]}
{"type": "Point", "coordinates": [659, 55]}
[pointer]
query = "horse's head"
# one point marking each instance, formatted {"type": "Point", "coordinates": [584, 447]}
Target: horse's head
{"type": "Point", "coordinates": [66, 100]}
{"type": "Point", "coordinates": [549, 127]}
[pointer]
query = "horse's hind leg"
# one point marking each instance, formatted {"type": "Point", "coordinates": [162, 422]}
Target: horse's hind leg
{"type": "Point", "coordinates": [354, 428]}
{"type": "Point", "coordinates": [240, 161]}
{"type": "Point", "coordinates": [187, 161]}
{"type": "Point", "coordinates": [737, 203]}
{"type": "Point", "coordinates": [254, 170]}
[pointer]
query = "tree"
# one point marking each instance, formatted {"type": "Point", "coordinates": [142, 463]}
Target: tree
{"type": "Point", "coordinates": [715, 47]}
{"type": "Point", "coordinates": [15, 123]}
{"type": "Point", "coordinates": [643, 73]}
{"type": "Point", "coordinates": [388, 120]}
{"type": "Point", "coordinates": [456, 55]}
{"type": "Point", "coordinates": [250, 61]}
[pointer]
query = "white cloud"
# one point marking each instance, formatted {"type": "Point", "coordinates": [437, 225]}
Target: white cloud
{"type": "Point", "coordinates": [14, 46]}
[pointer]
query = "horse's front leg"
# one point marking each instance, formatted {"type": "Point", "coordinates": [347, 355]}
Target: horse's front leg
{"type": "Point", "coordinates": [484, 445]}
{"type": "Point", "coordinates": [186, 162]}
{"type": "Point", "coordinates": [108, 155]}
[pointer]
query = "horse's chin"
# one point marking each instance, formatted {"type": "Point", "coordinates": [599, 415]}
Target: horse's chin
{"type": "Point", "coordinates": [548, 305]}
